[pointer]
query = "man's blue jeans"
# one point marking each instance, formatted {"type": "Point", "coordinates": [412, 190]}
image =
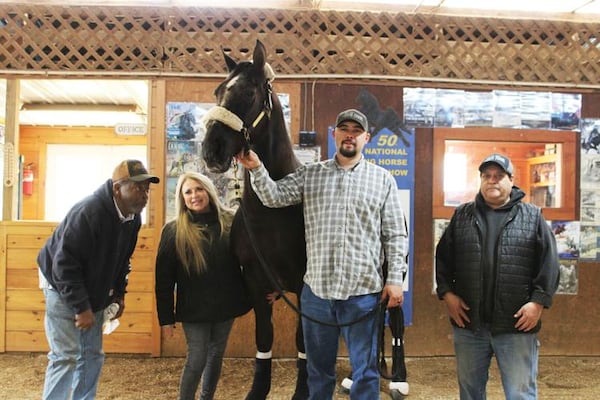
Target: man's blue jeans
{"type": "Point", "coordinates": [206, 343]}
{"type": "Point", "coordinates": [322, 342]}
{"type": "Point", "coordinates": [76, 357]}
{"type": "Point", "coordinates": [516, 355]}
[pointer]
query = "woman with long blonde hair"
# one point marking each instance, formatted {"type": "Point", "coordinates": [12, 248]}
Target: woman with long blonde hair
{"type": "Point", "coordinates": [195, 265]}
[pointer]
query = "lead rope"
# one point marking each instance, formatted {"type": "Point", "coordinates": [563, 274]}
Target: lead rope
{"type": "Point", "coordinates": [379, 309]}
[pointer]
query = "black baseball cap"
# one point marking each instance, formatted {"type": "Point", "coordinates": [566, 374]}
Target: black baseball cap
{"type": "Point", "coordinates": [500, 160]}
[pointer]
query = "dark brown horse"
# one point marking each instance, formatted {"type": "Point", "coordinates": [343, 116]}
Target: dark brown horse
{"type": "Point", "coordinates": [248, 114]}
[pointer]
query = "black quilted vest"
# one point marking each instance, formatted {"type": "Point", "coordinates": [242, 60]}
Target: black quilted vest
{"type": "Point", "coordinates": [516, 264]}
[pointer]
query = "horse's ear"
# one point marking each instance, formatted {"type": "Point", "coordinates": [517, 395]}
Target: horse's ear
{"type": "Point", "coordinates": [231, 64]}
{"type": "Point", "coordinates": [259, 56]}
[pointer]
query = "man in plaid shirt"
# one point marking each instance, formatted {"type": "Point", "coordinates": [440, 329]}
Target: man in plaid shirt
{"type": "Point", "coordinates": [353, 221]}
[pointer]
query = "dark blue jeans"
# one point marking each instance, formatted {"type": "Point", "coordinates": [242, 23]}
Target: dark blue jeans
{"type": "Point", "coordinates": [206, 344]}
{"type": "Point", "coordinates": [322, 342]}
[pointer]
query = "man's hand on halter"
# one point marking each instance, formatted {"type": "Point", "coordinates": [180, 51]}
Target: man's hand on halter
{"type": "Point", "coordinates": [249, 159]}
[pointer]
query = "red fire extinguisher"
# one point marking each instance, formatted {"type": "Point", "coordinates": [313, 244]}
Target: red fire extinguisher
{"type": "Point", "coordinates": [27, 180]}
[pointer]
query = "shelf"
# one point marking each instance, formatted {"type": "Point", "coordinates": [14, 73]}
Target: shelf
{"type": "Point", "coordinates": [543, 184]}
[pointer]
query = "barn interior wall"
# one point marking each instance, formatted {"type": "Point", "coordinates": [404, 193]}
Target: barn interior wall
{"type": "Point", "coordinates": [154, 52]}
{"type": "Point", "coordinates": [571, 317]}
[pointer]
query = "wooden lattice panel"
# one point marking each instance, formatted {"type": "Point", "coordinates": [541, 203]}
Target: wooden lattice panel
{"type": "Point", "coordinates": [308, 43]}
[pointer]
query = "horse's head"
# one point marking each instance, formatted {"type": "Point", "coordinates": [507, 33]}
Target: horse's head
{"type": "Point", "coordinates": [243, 104]}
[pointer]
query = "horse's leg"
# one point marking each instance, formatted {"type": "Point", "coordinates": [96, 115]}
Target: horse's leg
{"type": "Point", "coordinates": [398, 385]}
{"type": "Point", "coordinates": [301, 391]}
{"type": "Point", "coordinates": [261, 385]}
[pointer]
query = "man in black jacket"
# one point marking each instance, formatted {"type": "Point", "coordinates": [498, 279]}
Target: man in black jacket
{"type": "Point", "coordinates": [497, 268]}
{"type": "Point", "coordinates": [83, 269]}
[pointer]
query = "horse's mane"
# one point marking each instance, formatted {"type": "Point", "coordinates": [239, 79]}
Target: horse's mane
{"type": "Point", "coordinates": [279, 157]}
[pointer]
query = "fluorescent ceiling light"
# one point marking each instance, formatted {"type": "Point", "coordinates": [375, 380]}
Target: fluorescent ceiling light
{"type": "Point", "coordinates": [546, 6]}
{"type": "Point", "coordinates": [80, 114]}
{"type": "Point", "coordinates": [123, 108]}
{"type": "Point", "coordinates": [590, 8]}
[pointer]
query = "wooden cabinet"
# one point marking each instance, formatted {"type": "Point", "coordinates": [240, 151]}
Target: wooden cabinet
{"type": "Point", "coordinates": [545, 189]}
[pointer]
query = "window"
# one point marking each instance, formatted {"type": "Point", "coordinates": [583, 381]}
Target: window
{"type": "Point", "coordinates": [76, 171]}
{"type": "Point", "coordinates": [545, 166]}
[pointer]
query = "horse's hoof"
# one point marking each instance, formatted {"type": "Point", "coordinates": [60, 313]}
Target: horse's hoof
{"type": "Point", "coordinates": [345, 386]}
{"type": "Point", "coordinates": [396, 395]}
{"type": "Point", "coordinates": [399, 390]}
{"type": "Point", "coordinates": [255, 396]}
{"type": "Point", "coordinates": [301, 390]}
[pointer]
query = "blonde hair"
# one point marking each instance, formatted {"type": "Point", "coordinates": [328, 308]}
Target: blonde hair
{"type": "Point", "coordinates": [189, 239]}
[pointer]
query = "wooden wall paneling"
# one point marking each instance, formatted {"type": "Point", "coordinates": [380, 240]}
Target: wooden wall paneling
{"type": "Point", "coordinates": [3, 264]}
{"type": "Point", "coordinates": [590, 105]}
{"type": "Point", "coordinates": [31, 320]}
{"type": "Point", "coordinates": [10, 190]}
{"type": "Point", "coordinates": [23, 310]}
{"type": "Point", "coordinates": [26, 341]}
{"type": "Point", "coordinates": [156, 146]}
{"type": "Point", "coordinates": [431, 333]}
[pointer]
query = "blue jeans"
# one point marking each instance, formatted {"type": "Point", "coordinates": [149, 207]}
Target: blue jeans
{"type": "Point", "coordinates": [206, 343]}
{"type": "Point", "coordinates": [76, 357]}
{"type": "Point", "coordinates": [322, 342]}
{"type": "Point", "coordinates": [516, 355]}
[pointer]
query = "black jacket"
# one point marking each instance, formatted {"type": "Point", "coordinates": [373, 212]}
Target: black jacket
{"type": "Point", "coordinates": [216, 294]}
{"type": "Point", "coordinates": [88, 254]}
{"type": "Point", "coordinates": [522, 266]}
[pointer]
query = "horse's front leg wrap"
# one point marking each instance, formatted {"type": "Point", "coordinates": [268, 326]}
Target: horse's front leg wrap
{"type": "Point", "coordinates": [262, 377]}
{"type": "Point", "coordinates": [398, 386]}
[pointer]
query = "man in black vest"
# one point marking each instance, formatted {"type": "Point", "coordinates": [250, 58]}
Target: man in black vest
{"type": "Point", "coordinates": [497, 268]}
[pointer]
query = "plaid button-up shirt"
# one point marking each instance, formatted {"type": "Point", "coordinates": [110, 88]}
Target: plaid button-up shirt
{"type": "Point", "coordinates": [353, 221]}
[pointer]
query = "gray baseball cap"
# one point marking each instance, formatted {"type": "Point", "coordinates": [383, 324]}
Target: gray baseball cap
{"type": "Point", "coordinates": [352, 115]}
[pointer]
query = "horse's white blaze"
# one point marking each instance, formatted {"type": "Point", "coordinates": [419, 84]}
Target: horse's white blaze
{"type": "Point", "coordinates": [232, 82]}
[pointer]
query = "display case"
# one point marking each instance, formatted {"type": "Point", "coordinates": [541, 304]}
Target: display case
{"type": "Point", "coordinates": [545, 166]}
{"type": "Point", "coordinates": [544, 181]}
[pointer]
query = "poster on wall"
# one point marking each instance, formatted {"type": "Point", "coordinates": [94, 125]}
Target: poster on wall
{"type": "Point", "coordinates": [439, 226]}
{"type": "Point", "coordinates": [590, 136]}
{"type": "Point", "coordinates": [589, 243]}
{"type": "Point", "coordinates": [449, 108]}
{"type": "Point", "coordinates": [569, 277]}
{"type": "Point", "coordinates": [479, 108]}
{"type": "Point", "coordinates": [507, 109]}
{"type": "Point", "coordinates": [419, 107]}
{"type": "Point", "coordinates": [392, 147]}
{"type": "Point", "coordinates": [182, 156]}
{"type": "Point", "coordinates": [567, 238]}
{"type": "Point", "coordinates": [566, 111]}
{"type": "Point", "coordinates": [184, 120]}
{"type": "Point", "coordinates": [535, 110]}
